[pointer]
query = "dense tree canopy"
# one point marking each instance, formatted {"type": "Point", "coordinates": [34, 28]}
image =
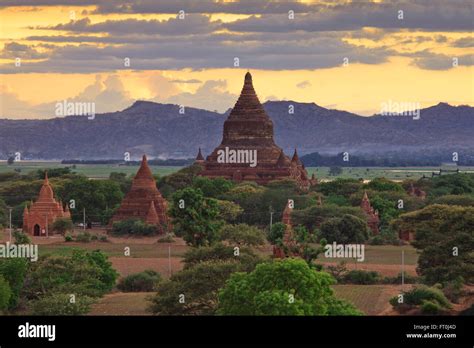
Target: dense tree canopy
{"type": "Point", "coordinates": [444, 234]}
{"type": "Point", "coordinates": [284, 287]}
{"type": "Point", "coordinates": [195, 218]}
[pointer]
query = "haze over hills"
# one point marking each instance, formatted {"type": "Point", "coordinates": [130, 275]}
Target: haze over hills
{"type": "Point", "coordinates": [160, 131]}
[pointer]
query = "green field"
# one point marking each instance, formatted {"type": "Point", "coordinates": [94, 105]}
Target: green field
{"type": "Point", "coordinates": [102, 171]}
{"type": "Point", "coordinates": [95, 171]}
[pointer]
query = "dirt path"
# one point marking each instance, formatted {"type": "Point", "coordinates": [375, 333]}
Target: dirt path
{"type": "Point", "coordinates": [122, 303]}
{"type": "Point", "coordinates": [129, 265]}
{"type": "Point", "coordinates": [385, 270]}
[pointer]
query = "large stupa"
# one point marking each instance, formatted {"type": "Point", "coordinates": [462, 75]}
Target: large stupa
{"type": "Point", "coordinates": [248, 151]}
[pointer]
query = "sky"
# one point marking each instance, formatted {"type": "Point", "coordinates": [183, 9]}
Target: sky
{"type": "Point", "coordinates": [346, 55]}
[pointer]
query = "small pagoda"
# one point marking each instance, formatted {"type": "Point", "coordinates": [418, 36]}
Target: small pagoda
{"type": "Point", "coordinates": [249, 131]}
{"type": "Point", "coordinates": [290, 246]}
{"type": "Point", "coordinates": [144, 201]}
{"type": "Point", "coordinates": [44, 212]}
{"type": "Point", "coordinates": [371, 214]}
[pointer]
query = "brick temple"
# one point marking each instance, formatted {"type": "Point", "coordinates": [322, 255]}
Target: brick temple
{"type": "Point", "coordinates": [371, 214]}
{"type": "Point", "coordinates": [248, 151]}
{"type": "Point", "coordinates": [144, 201]}
{"type": "Point", "coordinates": [44, 212]}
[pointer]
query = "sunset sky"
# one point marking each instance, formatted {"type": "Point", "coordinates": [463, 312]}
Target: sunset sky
{"type": "Point", "coordinates": [77, 53]}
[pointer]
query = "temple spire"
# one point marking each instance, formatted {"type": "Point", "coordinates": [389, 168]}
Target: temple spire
{"type": "Point", "coordinates": [199, 156]}
{"type": "Point", "coordinates": [296, 158]}
{"type": "Point", "coordinates": [144, 172]}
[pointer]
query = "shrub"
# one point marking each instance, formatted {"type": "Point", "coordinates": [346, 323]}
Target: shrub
{"type": "Point", "coordinates": [14, 271]}
{"type": "Point", "coordinates": [68, 238]}
{"type": "Point", "coordinates": [134, 227]}
{"type": "Point", "coordinates": [242, 234]}
{"type": "Point", "coordinates": [362, 277]}
{"type": "Point", "coordinates": [21, 238]}
{"type": "Point", "coordinates": [82, 273]}
{"type": "Point", "coordinates": [168, 238]}
{"type": "Point", "coordinates": [143, 281]}
{"type": "Point", "coordinates": [5, 294]}
{"type": "Point", "coordinates": [62, 225]}
{"type": "Point", "coordinates": [453, 289]}
{"type": "Point", "coordinates": [103, 238]}
{"type": "Point", "coordinates": [346, 229]}
{"type": "Point", "coordinates": [83, 237]}
{"type": "Point", "coordinates": [420, 293]}
{"type": "Point", "coordinates": [422, 296]}
{"type": "Point", "coordinates": [94, 237]}
{"type": "Point", "coordinates": [61, 304]}
{"type": "Point", "coordinates": [407, 279]}
{"type": "Point", "coordinates": [429, 307]}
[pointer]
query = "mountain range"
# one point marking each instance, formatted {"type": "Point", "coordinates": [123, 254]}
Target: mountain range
{"type": "Point", "coordinates": [161, 131]}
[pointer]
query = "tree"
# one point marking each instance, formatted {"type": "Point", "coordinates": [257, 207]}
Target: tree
{"type": "Point", "coordinates": [195, 218]}
{"type": "Point", "coordinates": [283, 287]}
{"type": "Point", "coordinates": [205, 271]}
{"type": "Point", "coordinates": [443, 234]}
{"type": "Point", "coordinates": [62, 225]}
{"type": "Point", "coordinates": [347, 229]}
{"type": "Point", "coordinates": [242, 234]}
{"type": "Point", "coordinates": [229, 211]}
{"type": "Point", "coordinates": [134, 227]}
{"type": "Point", "coordinates": [14, 271]}
{"type": "Point", "coordinates": [275, 236]}
{"type": "Point", "coordinates": [314, 216]}
{"type": "Point", "coordinates": [139, 282]}
{"type": "Point", "coordinates": [62, 304]}
{"type": "Point", "coordinates": [335, 171]}
{"type": "Point", "coordinates": [5, 294]}
{"type": "Point", "coordinates": [82, 273]}
{"type": "Point", "coordinates": [93, 195]}
{"type": "Point", "coordinates": [212, 187]}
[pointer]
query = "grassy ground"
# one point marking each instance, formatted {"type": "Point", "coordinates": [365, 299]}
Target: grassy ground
{"type": "Point", "coordinates": [369, 173]}
{"type": "Point", "coordinates": [102, 171]}
{"type": "Point", "coordinates": [122, 303]}
{"type": "Point", "coordinates": [382, 254]}
{"type": "Point", "coordinates": [157, 250]}
{"type": "Point", "coordinates": [370, 299]}
{"type": "Point", "coordinates": [95, 171]}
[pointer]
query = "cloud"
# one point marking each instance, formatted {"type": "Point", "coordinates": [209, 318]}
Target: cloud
{"type": "Point", "coordinates": [12, 50]}
{"type": "Point", "coordinates": [304, 84]}
{"type": "Point", "coordinates": [107, 93]}
{"type": "Point", "coordinates": [432, 61]}
{"type": "Point", "coordinates": [212, 92]}
{"type": "Point", "coordinates": [207, 51]}
{"type": "Point", "coordinates": [357, 15]}
{"type": "Point", "coordinates": [191, 24]}
{"type": "Point", "coordinates": [464, 42]}
{"type": "Point", "coordinates": [187, 81]}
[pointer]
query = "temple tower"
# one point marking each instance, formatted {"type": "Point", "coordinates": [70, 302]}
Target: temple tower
{"type": "Point", "coordinates": [144, 201]}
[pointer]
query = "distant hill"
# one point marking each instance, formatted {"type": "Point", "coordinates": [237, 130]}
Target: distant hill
{"type": "Point", "coordinates": [160, 131]}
